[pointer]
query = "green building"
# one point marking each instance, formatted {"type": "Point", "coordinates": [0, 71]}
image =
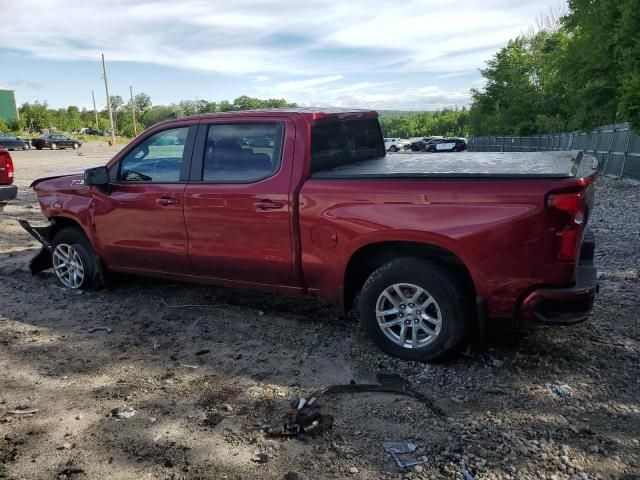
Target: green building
{"type": "Point", "coordinates": [8, 107]}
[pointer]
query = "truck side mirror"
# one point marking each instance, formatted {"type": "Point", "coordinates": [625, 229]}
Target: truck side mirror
{"type": "Point", "coordinates": [98, 176]}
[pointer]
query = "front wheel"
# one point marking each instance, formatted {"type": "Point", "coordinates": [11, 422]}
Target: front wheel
{"type": "Point", "coordinates": [74, 261]}
{"type": "Point", "coordinates": [54, 146]}
{"type": "Point", "coordinates": [76, 146]}
{"type": "Point", "coordinates": [393, 149]}
{"type": "Point", "coordinates": [413, 309]}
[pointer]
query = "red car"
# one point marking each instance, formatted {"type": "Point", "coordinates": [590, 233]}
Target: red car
{"type": "Point", "coordinates": [306, 202]}
{"type": "Point", "coordinates": [8, 191]}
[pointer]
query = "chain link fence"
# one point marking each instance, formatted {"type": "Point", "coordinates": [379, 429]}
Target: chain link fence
{"type": "Point", "coordinates": [617, 147]}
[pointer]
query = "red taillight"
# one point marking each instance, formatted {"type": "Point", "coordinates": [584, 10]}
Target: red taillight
{"type": "Point", "coordinates": [6, 165]}
{"type": "Point", "coordinates": [568, 238]}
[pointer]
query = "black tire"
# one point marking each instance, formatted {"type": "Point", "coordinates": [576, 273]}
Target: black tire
{"type": "Point", "coordinates": [54, 146]}
{"type": "Point", "coordinates": [76, 146]}
{"type": "Point", "coordinates": [393, 149]}
{"type": "Point", "coordinates": [440, 285]}
{"type": "Point", "coordinates": [76, 239]}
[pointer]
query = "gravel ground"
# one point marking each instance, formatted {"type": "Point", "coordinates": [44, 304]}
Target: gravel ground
{"type": "Point", "coordinates": [556, 403]}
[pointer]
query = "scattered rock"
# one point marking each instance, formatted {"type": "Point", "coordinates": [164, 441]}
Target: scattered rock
{"type": "Point", "coordinates": [260, 457]}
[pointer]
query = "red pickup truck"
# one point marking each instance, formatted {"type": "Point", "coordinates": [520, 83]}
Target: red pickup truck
{"type": "Point", "coordinates": [306, 202]}
{"type": "Point", "coordinates": [8, 191]}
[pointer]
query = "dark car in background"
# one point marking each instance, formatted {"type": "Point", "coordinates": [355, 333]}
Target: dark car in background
{"type": "Point", "coordinates": [55, 141]}
{"type": "Point", "coordinates": [13, 143]}
{"type": "Point", "coordinates": [93, 131]}
{"type": "Point", "coordinates": [446, 145]}
{"type": "Point", "coordinates": [420, 145]}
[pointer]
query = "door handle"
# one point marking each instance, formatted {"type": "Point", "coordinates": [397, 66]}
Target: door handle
{"type": "Point", "coordinates": [167, 201]}
{"type": "Point", "coordinates": [267, 204]}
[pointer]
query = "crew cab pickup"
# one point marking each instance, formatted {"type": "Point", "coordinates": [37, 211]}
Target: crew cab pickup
{"type": "Point", "coordinates": [427, 246]}
{"type": "Point", "coordinates": [8, 191]}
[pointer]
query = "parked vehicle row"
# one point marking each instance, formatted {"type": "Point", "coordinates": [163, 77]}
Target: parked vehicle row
{"type": "Point", "coordinates": [11, 142]}
{"type": "Point", "coordinates": [308, 202]}
{"type": "Point", "coordinates": [437, 144]}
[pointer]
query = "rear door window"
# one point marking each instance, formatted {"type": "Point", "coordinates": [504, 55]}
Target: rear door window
{"type": "Point", "coordinates": [242, 152]}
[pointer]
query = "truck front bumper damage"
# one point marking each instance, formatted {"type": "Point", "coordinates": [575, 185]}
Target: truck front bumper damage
{"type": "Point", "coordinates": [42, 261]}
{"type": "Point", "coordinates": [565, 306]}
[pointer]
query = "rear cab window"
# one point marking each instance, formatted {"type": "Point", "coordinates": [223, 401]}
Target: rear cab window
{"type": "Point", "coordinates": [337, 142]}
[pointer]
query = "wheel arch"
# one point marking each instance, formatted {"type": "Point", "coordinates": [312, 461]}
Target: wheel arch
{"type": "Point", "coordinates": [60, 222]}
{"type": "Point", "coordinates": [366, 259]}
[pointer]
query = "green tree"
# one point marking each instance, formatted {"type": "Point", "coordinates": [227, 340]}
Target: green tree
{"type": "Point", "coordinates": [142, 102]}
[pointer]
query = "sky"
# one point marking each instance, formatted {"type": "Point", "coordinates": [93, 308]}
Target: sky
{"type": "Point", "coordinates": [382, 54]}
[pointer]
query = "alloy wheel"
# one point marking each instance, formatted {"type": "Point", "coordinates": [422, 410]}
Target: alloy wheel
{"type": "Point", "coordinates": [68, 266]}
{"type": "Point", "coordinates": [408, 315]}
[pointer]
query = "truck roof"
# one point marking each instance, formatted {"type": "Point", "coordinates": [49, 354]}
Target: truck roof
{"type": "Point", "coordinates": [310, 114]}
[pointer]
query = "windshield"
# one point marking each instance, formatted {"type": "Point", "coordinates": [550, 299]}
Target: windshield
{"type": "Point", "coordinates": [336, 142]}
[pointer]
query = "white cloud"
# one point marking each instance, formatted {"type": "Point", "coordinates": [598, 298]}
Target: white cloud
{"type": "Point", "coordinates": [305, 49]}
{"type": "Point", "coordinates": [297, 85]}
{"type": "Point", "coordinates": [250, 36]}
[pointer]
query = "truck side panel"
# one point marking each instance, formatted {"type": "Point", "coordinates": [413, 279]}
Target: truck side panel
{"type": "Point", "coordinates": [498, 229]}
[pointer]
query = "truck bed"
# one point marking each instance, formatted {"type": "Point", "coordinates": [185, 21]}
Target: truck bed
{"type": "Point", "coordinates": [463, 164]}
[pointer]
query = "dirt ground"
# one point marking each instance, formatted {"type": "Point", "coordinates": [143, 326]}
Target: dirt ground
{"type": "Point", "coordinates": [208, 371]}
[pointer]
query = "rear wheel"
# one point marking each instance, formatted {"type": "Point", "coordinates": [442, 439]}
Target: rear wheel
{"type": "Point", "coordinates": [393, 148]}
{"type": "Point", "coordinates": [74, 261]}
{"type": "Point", "coordinates": [76, 146]}
{"type": "Point", "coordinates": [414, 309]}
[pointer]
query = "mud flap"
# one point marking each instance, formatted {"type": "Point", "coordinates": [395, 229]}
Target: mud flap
{"type": "Point", "coordinates": [42, 261]}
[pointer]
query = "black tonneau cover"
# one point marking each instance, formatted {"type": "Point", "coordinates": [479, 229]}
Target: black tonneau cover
{"type": "Point", "coordinates": [462, 164]}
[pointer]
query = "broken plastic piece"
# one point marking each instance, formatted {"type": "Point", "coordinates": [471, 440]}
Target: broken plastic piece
{"type": "Point", "coordinates": [305, 416]}
{"type": "Point", "coordinates": [465, 473]}
{"type": "Point", "coordinates": [99, 329]}
{"type": "Point", "coordinates": [402, 448]}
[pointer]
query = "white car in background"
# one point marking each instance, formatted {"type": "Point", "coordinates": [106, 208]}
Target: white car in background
{"type": "Point", "coordinates": [393, 144]}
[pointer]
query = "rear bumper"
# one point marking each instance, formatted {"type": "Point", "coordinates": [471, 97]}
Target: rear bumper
{"type": "Point", "coordinates": [565, 306]}
{"type": "Point", "coordinates": [8, 192]}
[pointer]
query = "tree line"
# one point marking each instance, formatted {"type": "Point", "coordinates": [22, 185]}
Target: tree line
{"type": "Point", "coordinates": [38, 116]}
{"type": "Point", "coordinates": [447, 123]}
{"type": "Point", "coordinates": [574, 72]}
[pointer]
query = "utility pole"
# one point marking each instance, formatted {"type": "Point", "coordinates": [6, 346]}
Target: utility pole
{"type": "Point", "coordinates": [95, 110]}
{"type": "Point", "coordinates": [106, 88]}
{"type": "Point", "coordinates": [133, 112]}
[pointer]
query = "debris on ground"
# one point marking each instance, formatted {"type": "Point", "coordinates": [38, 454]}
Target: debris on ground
{"type": "Point", "coordinates": [23, 411]}
{"type": "Point", "coordinates": [561, 391]}
{"type": "Point", "coordinates": [403, 448]}
{"type": "Point", "coordinates": [189, 366]}
{"type": "Point", "coordinates": [260, 457]}
{"type": "Point", "coordinates": [126, 413]}
{"type": "Point", "coordinates": [465, 473]}
{"type": "Point", "coordinates": [305, 417]}
{"type": "Point", "coordinates": [99, 329]}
